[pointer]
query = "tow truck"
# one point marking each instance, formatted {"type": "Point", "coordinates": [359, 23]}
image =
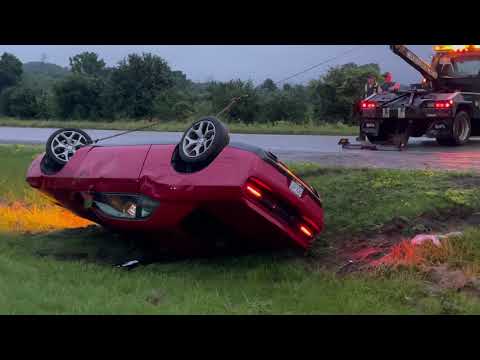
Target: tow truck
{"type": "Point", "coordinates": [445, 106]}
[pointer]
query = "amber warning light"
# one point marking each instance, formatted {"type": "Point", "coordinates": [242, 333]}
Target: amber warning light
{"type": "Point", "coordinates": [456, 48]}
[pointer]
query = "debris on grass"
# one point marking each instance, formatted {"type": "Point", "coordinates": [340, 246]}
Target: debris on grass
{"type": "Point", "coordinates": [422, 238]}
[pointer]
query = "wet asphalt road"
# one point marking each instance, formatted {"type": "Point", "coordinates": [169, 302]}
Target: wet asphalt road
{"type": "Point", "coordinates": [421, 153]}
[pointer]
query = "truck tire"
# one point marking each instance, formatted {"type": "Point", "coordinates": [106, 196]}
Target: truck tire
{"type": "Point", "coordinates": [382, 136]}
{"type": "Point", "coordinates": [461, 130]}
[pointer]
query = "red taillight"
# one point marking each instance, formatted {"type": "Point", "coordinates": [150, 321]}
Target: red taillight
{"type": "Point", "coordinates": [304, 229]}
{"type": "Point", "coordinates": [443, 104]}
{"type": "Point", "coordinates": [368, 104]}
{"type": "Point", "coordinates": [262, 194]}
{"type": "Point", "coordinates": [254, 191]}
{"type": "Point", "coordinates": [257, 189]}
{"type": "Point", "coordinates": [260, 184]}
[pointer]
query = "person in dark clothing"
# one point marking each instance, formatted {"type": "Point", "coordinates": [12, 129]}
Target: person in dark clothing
{"type": "Point", "coordinates": [389, 84]}
{"type": "Point", "coordinates": [371, 87]}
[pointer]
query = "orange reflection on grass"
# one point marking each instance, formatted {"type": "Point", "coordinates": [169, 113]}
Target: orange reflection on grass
{"type": "Point", "coordinates": [19, 217]}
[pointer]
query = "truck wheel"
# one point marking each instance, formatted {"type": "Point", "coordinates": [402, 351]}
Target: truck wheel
{"type": "Point", "coordinates": [461, 130]}
{"type": "Point", "coordinates": [63, 144]}
{"type": "Point", "coordinates": [203, 141]}
{"type": "Point", "coordinates": [379, 138]}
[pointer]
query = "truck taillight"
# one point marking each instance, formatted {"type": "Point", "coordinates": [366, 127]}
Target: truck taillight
{"type": "Point", "coordinates": [443, 104]}
{"type": "Point", "coordinates": [368, 104]}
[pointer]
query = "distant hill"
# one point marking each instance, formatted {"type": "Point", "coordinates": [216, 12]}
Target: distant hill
{"type": "Point", "coordinates": [42, 75]}
{"type": "Point", "coordinates": [48, 69]}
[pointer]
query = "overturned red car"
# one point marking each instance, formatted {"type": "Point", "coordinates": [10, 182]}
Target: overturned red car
{"type": "Point", "coordinates": [189, 196]}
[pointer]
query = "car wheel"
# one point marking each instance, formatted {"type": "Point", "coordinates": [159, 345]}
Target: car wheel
{"type": "Point", "coordinates": [461, 130]}
{"type": "Point", "coordinates": [63, 144]}
{"type": "Point", "coordinates": [203, 140]}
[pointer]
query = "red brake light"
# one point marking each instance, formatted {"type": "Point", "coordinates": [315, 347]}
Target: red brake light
{"type": "Point", "coordinates": [306, 230]}
{"type": "Point", "coordinates": [443, 104]}
{"type": "Point", "coordinates": [260, 184]}
{"type": "Point", "coordinates": [254, 191]}
{"type": "Point", "coordinates": [262, 194]}
{"type": "Point", "coordinates": [368, 104]}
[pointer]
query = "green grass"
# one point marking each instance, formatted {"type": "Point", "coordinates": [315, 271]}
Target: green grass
{"type": "Point", "coordinates": [363, 199]}
{"type": "Point", "coordinates": [280, 128]}
{"type": "Point", "coordinates": [14, 160]}
{"type": "Point", "coordinates": [38, 278]}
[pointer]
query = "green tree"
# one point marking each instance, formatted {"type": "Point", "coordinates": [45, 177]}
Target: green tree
{"type": "Point", "coordinates": [334, 94]}
{"type": "Point", "coordinates": [25, 102]}
{"type": "Point", "coordinates": [79, 97]}
{"type": "Point", "coordinates": [137, 82]}
{"type": "Point", "coordinates": [173, 104]}
{"type": "Point", "coordinates": [287, 105]}
{"type": "Point", "coordinates": [268, 85]}
{"type": "Point", "coordinates": [87, 63]}
{"type": "Point", "coordinates": [247, 110]}
{"type": "Point", "coordinates": [10, 70]}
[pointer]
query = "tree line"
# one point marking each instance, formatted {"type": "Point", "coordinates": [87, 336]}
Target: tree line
{"type": "Point", "coordinates": [143, 86]}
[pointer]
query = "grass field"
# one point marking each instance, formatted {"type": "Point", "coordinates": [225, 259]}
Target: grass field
{"type": "Point", "coordinates": [279, 128]}
{"type": "Point", "coordinates": [50, 266]}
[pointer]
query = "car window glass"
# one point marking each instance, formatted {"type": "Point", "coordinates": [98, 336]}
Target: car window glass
{"type": "Point", "coordinates": [467, 66]}
{"type": "Point", "coordinates": [124, 206]}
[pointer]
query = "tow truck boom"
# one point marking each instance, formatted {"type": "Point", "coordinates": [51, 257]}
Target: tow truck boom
{"type": "Point", "coordinates": [416, 62]}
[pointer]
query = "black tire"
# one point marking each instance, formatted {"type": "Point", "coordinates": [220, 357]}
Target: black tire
{"type": "Point", "coordinates": [461, 131]}
{"type": "Point", "coordinates": [77, 134]}
{"type": "Point", "coordinates": [382, 136]}
{"type": "Point", "coordinates": [210, 145]}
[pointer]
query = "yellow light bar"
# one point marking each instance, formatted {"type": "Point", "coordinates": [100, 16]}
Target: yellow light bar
{"type": "Point", "coordinates": [456, 48]}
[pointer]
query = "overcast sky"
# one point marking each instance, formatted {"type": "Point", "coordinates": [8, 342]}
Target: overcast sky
{"type": "Point", "coordinates": [225, 62]}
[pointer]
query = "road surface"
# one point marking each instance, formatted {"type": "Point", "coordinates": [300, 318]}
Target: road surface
{"type": "Point", "coordinates": [421, 153]}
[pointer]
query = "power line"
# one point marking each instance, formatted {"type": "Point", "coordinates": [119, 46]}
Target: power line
{"type": "Point", "coordinates": [320, 64]}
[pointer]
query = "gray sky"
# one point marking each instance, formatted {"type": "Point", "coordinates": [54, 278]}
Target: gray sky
{"type": "Point", "coordinates": [225, 62]}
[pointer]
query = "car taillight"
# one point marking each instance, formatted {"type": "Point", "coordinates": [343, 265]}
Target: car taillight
{"type": "Point", "coordinates": [368, 104]}
{"type": "Point", "coordinates": [259, 192]}
{"type": "Point", "coordinates": [254, 191]}
{"type": "Point", "coordinates": [308, 227]}
{"type": "Point", "coordinates": [443, 104]}
{"type": "Point", "coordinates": [304, 229]}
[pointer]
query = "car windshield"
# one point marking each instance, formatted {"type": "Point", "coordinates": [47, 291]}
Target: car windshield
{"type": "Point", "coordinates": [460, 66]}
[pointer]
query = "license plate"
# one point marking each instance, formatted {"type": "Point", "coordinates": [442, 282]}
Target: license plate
{"type": "Point", "coordinates": [370, 125]}
{"type": "Point", "coordinates": [296, 188]}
